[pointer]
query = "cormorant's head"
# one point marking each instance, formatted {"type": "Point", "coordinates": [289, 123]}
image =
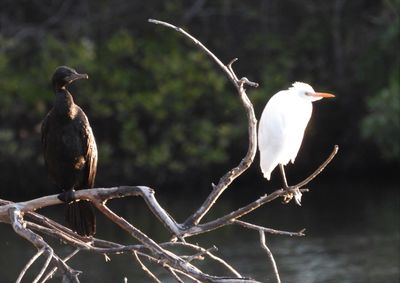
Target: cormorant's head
{"type": "Point", "coordinates": [64, 75]}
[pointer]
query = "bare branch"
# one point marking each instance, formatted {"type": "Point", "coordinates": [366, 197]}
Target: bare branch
{"type": "Point", "coordinates": [16, 220]}
{"type": "Point", "coordinates": [160, 255]}
{"type": "Point", "coordinates": [101, 195]}
{"type": "Point", "coordinates": [267, 230]}
{"type": "Point", "coordinates": [270, 256]}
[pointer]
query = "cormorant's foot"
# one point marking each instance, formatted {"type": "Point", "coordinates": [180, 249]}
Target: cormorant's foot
{"type": "Point", "coordinates": [67, 197]}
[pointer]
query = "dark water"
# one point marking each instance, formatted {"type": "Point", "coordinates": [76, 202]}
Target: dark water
{"type": "Point", "coordinates": [351, 237]}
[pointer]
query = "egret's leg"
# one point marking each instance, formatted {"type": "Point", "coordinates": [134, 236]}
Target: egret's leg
{"type": "Point", "coordinates": [283, 176]}
{"type": "Point", "coordinates": [290, 191]}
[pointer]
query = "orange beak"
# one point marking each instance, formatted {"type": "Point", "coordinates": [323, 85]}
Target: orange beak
{"type": "Point", "coordinates": [322, 94]}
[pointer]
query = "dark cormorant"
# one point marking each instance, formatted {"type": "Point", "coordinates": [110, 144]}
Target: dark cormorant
{"type": "Point", "coordinates": [70, 151]}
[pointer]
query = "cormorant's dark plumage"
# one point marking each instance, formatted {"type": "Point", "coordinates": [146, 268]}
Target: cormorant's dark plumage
{"type": "Point", "coordinates": [70, 150]}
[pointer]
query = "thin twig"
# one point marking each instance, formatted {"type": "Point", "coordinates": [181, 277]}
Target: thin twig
{"type": "Point", "coordinates": [267, 230]}
{"type": "Point", "coordinates": [28, 264]}
{"type": "Point", "coordinates": [198, 43]}
{"type": "Point", "coordinates": [50, 253]}
{"type": "Point", "coordinates": [229, 66]}
{"type": "Point", "coordinates": [70, 239]}
{"type": "Point", "coordinates": [211, 255]}
{"type": "Point", "coordinates": [270, 256]}
{"type": "Point", "coordinates": [320, 168]}
{"type": "Point", "coordinates": [199, 255]}
{"type": "Point", "coordinates": [65, 259]}
{"type": "Point", "coordinates": [173, 273]}
{"type": "Point", "coordinates": [145, 269]}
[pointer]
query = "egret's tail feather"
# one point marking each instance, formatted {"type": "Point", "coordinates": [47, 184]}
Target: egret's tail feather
{"type": "Point", "coordinates": [266, 167]}
{"type": "Point", "coordinates": [267, 175]}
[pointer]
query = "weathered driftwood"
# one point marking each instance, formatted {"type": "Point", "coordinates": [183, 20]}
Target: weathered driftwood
{"type": "Point", "coordinates": [31, 225]}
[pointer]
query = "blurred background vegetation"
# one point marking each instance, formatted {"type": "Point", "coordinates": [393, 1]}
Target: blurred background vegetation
{"type": "Point", "coordinates": [164, 115]}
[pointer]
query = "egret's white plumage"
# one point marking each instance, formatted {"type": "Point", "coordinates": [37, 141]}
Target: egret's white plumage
{"type": "Point", "coordinates": [282, 125]}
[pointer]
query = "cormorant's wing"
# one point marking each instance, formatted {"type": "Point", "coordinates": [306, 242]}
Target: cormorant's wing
{"type": "Point", "coordinates": [90, 152]}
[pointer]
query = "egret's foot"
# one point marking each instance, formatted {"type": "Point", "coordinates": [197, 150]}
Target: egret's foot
{"type": "Point", "coordinates": [67, 196]}
{"type": "Point", "coordinates": [287, 197]}
{"type": "Point", "coordinates": [292, 193]}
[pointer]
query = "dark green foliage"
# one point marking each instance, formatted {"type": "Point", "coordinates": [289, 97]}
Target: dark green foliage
{"type": "Point", "coordinates": [162, 112]}
{"type": "Point", "coordinates": [158, 109]}
{"type": "Point", "coordinates": [382, 125]}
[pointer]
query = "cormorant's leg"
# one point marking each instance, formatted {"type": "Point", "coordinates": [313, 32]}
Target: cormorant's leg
{"type": "Point", "coordinates": [67, 196]}
{"type": "Point", "coordinates": [283, 176]}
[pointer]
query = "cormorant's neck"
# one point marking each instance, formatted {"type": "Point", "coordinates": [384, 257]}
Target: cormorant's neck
{"type": "Point", "coordinates": [64, 103]}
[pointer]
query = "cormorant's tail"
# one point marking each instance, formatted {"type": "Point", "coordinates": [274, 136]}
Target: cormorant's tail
{"type": "Point", "coordinates": [80, 217]}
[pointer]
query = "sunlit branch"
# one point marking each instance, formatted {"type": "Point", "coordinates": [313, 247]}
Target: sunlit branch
{"type": "Point", "coordinates": [231, 175]}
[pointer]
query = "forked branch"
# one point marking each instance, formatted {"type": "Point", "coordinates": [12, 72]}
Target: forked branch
{"type": "Point", "coordinates": [231, 175]}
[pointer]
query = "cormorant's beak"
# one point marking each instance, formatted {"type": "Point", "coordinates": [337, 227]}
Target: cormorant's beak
{"type": "Point", "coordinates": [76, 76]}
{"type": "Point", "coordinates": [322, 94]}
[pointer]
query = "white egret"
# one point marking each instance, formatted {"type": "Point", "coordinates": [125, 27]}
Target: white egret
{"type": "Point", "coordinates": [282, 126]}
